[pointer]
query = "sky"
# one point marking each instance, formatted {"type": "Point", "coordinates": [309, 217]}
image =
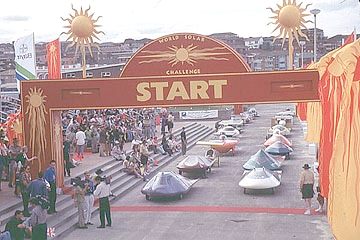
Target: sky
{"type": "Point", "coordinates": [139, 19]}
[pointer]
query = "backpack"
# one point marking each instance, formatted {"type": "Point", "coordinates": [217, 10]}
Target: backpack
{"type": "Point", "coordinates": [43, 202]}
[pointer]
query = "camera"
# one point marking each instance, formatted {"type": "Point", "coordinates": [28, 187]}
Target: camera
{"type": "Point", "coordinates": [77, 182]}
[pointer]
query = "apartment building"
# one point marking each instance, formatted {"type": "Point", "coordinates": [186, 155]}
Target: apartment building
{"type": "Point", "coordinates": [261, 53]}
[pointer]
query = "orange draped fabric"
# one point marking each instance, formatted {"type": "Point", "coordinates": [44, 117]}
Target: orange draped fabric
{"type": "Point", "coordinates": [301, 109]}
{"type": "Point", "coordinates": [330, 96]}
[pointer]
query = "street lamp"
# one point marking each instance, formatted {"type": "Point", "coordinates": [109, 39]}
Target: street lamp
{"type": "Point", "coordinates": [302, 43]}
{"type": "Point", "coordinates": [315, 12]}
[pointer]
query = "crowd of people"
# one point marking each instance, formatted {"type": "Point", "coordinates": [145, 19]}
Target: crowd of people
{"type": "Point", "coordinates": [40, 193]}
{"type": "Point", "coordinates": [105, 132]}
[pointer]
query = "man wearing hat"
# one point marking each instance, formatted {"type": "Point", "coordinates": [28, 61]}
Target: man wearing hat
{"type": "Point", "coordinates": [89, 197]}
{"type": "Point", "coordinates": [307, 180]}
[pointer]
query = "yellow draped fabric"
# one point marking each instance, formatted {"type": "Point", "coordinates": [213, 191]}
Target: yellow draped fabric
{"type": "Point", "coordinates": [340, 94]}
{"type": "Point", "coordinates": [314, 122]}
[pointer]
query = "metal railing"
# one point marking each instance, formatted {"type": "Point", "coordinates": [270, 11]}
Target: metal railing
{"type": "Point", "coordinates": [8, 105]}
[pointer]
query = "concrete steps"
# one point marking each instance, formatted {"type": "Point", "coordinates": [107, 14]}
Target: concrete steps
{"type": "Point", "coordinates": [109, 167]}
{"type": "Point", "coordinates": [65, 220]}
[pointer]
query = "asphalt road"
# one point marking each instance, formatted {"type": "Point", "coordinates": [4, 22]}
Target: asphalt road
{"type": "Point", "coordinates": [216, 207]}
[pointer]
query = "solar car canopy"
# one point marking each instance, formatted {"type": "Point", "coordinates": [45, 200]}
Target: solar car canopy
{"type": "Point", "coordinates": [167, 184]}
{"type": "Point", "coordinates": [262, 159]}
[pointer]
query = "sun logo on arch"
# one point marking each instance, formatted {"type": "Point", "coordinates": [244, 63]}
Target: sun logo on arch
{"type": "Point", "coordinates": [289, 18]}
{"type": "Point", "coordinates": [36, 112]}
{"type": "Point", "coordinates": [82, 30]}
{"type": "Point", "coordinates": [189, 55]}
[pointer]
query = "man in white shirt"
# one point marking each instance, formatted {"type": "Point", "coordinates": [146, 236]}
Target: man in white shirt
{"type": "Point", "coordinates": [103, 192]}
{"type": "Point", "coordinates": [80, 142]}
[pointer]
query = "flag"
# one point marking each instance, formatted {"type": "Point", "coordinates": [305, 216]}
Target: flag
{"type": "Point", "coordinates": [349, 39]}
{"type": "Point", "coordinates": [25, 59]}
{"type": "Point", "coordinates": [53, 59]}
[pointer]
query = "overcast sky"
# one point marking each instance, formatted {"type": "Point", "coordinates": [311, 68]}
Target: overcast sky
{"type": "Point", "coordinates": [154, 18]}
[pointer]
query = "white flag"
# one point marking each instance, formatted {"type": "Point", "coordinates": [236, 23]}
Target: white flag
{"type": "Point", "coordinates": [25, 58]}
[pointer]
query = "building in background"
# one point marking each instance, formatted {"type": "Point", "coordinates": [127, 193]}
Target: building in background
{"type": "Point", "coordinates": [261, 53]}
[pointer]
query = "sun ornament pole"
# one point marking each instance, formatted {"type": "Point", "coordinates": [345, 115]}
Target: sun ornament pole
{"type": "Point", "coordinates": [289, 19]}
{"type": "Point", "coordinates": [82, 31]}
{"type": "Point", "coordinates": [315, 12]}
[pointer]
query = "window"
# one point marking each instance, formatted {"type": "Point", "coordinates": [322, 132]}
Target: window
{"type": "Point", "coordinates": [70, 75]}
{"type": "Point", "coordinates": [105, 74]}
{"type": "Point", "coordinates": [89, 75]}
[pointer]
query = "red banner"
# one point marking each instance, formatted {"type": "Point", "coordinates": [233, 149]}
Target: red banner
{"type": "Point", "coordinates": [301, 110]}
{"type": "Point", "coordinates": [54, 59]}
{"type": "Point", "coordinates": [349, 39]}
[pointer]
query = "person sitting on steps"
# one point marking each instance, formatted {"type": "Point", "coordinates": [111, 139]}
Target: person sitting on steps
{"type": "Point", "coordinates": [165, 145]}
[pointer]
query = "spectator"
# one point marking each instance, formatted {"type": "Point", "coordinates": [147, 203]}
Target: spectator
{"type": "Point", "coordinates": [23, 159]}
{"type": "Point", "coordinates": [67, 163]}
{"type": "Point", "coordinates": [94, 140]}
{"type": "Point", "coordinates": [320, 198]}
{"type": "Point", "coordinates": [307, 187]}
{"type": "Point", "coordinates": [38, 187]}
{"type": "Point", "coordinates": [25, 180]}
{"type": "Point", "coordinates": [102, 142]}
{"type": "Point", "coordinates": [183, 141]}
{"type": "Point", "coordinates": [79, 200]}
{"type": "Point", "coordinates": [16, 227]}
{"type": "Point", "coordinates": [170, 122]}
{"type": "Point", "coordinates": [173, 144]}
{"type": "Point", "coordinates": [38, 218]}
{"type": "Point", "coordinates": [5, 235]}
{"type": "Point", "coordinates": [14, 151]}
{"type": "Point", "coordinates": [3, 156]}
{"type": "Point", "coordinates": [144, 156]}
{"type": "Point", "coordinates": [103, 192]}
{"type": "Point", "coordinates": [117, 153]}
{"type": "Point", "coordinates": [163, 124]}
{"type": "Point", "coordinates": [80, 143]}
{"type": "Point", "coordinates": [154, 144]}
{"type": "Point", "coordinates": [89, 197]}
{"type": "Point", "coordinates": [50, 177]}
{"type": "Point", "coordinates": [165, 145]}
{"type": "Point", "coordinates": [131, 167]}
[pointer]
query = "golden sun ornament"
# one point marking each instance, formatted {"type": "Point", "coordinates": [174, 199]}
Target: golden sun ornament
{"type": "Point", "coordinates": [82, 31]}
{"type": "Point", "coordinates": [36, 118]}
{"type": "Point", "coordinates": [189, 55]}
{"type": "Point", "coordinates": [289, 19]}
{"type": "Point", "coordinates": [17, 126]}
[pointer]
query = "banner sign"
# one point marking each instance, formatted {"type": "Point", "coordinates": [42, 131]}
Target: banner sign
{"type": "Point", "coordinates": [53, 57]}
{"type": "Point", "coordinates": [25, 59]}
{"type": "Point", "coordinates": [206, 114]}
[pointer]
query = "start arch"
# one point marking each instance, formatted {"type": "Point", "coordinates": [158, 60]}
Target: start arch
{"type": "Point", "coordinates": [183, 69]}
